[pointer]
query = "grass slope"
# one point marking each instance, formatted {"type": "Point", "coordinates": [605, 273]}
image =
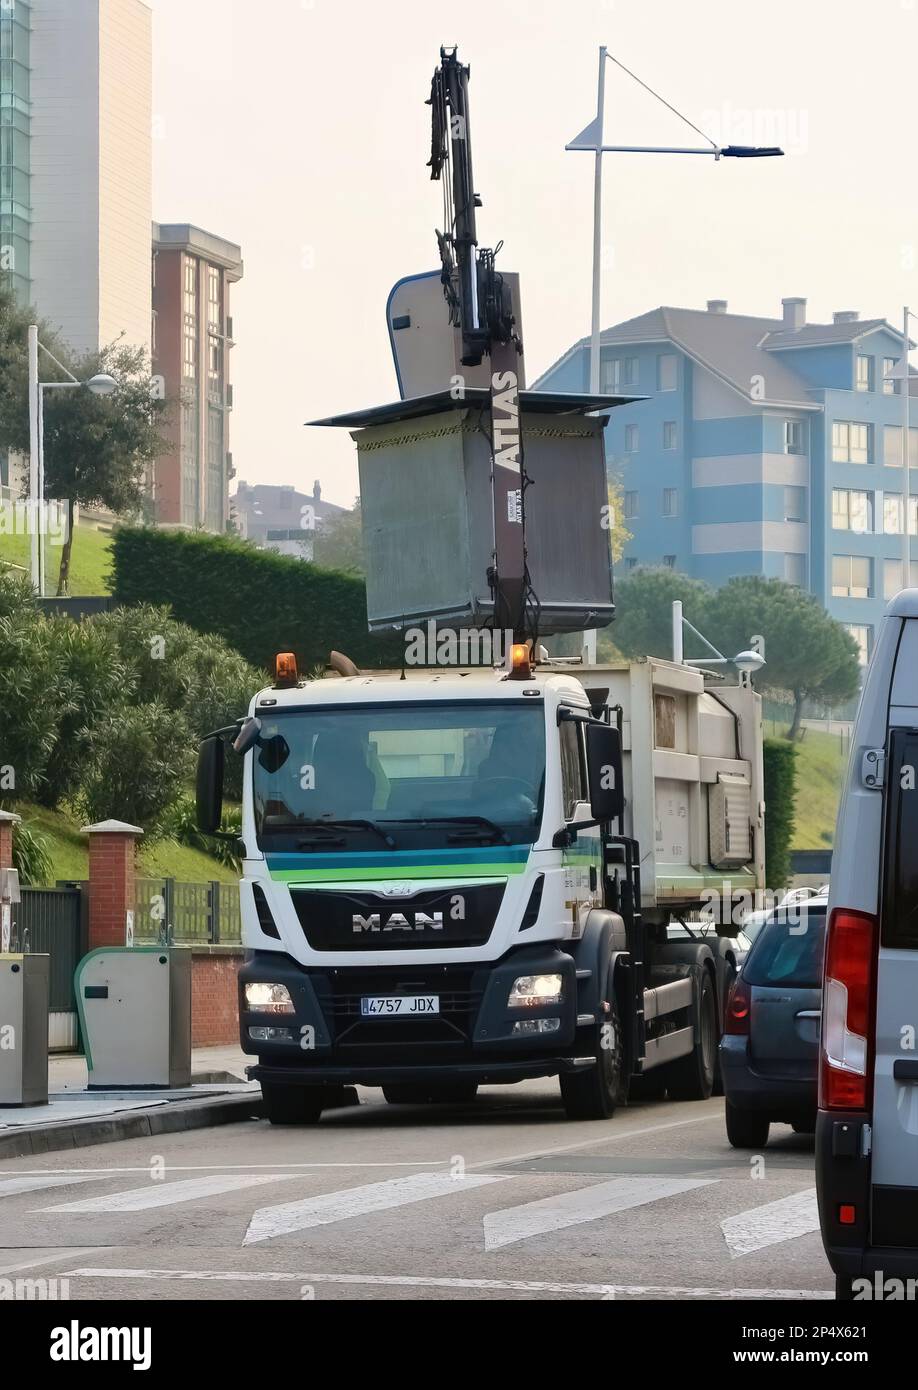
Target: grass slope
{"type": "Point", "coordinates": [158, 859]}
{"type": "Point", "coordinates": [90, 561]}
{"type": "Point", "coordinates": [821, 763]}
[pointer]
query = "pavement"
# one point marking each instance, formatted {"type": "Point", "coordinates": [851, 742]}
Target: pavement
{"type": "Point", "coordinates": [76, 1116]}
{"type": "Point", "coordinates": [501, 1198]}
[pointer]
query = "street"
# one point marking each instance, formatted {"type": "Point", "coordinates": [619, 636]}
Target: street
{"type": "Point", "coordinates": [502, 1198]}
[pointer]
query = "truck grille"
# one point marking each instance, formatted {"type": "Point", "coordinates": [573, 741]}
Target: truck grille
{"type": "Point", "coordinates": [366, 921]}
{"type": "Point", "coordinates": [459, 988]}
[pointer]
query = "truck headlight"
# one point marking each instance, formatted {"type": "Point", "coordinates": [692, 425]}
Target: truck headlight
{"type": "Point", "coordinates": [528, 990]}
{"type": "Point", "coordinates": [268, 999]}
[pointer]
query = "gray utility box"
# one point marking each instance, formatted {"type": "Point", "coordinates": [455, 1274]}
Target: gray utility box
{"type": "Point", "coordinates": [24, 1029]}
{"type": "Point", "coordinates": [428, 517]}
{"type": "Point", "coordinates": [135, 1015]}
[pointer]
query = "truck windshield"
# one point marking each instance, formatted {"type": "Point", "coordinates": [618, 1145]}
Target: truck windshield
{"type": "Point", "coordinates": [435, 774]}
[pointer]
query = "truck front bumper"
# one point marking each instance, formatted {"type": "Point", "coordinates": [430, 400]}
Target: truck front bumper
{"type": "Point", "coordinates": [326, 1040]}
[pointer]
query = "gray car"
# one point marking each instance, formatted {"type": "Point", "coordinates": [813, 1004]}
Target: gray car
{"type": "Point", "coordinates": [770, 1049]}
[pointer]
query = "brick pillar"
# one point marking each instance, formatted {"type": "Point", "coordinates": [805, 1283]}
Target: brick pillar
{"type": "Point", "coordinates": [7, 821]}
{"type": "Point", "coordinates": [112, 848]}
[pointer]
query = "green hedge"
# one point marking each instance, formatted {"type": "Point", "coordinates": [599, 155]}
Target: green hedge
{"type": "Point", "coordinates": [780, 758]}
{"type": "Point", "coordinates": [258, 601]}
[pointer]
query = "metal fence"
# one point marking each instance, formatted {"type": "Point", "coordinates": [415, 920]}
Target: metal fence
{"type": "Point", "coordinates": [51, 921]}
{"type": "Point", "coordinates": [167, 911]}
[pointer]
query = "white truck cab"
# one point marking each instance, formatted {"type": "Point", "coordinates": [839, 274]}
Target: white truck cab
{"type": "Point", "coordinates": [867, 1130]}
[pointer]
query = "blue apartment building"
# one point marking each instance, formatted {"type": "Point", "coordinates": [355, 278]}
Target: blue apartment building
{"type": "Point", "coordinates": [764, 446]}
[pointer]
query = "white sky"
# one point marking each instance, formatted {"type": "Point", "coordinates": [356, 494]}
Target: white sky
{"type": "Point", "coordinates": [298, 129]}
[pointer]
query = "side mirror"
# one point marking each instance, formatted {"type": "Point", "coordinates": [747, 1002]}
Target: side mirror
{"type": "Point", "coordinates": [248, 736]}
{"type": "Point", "coordinates": [209, 784]}
{"type": "Point", "coordinates": [605, 771]}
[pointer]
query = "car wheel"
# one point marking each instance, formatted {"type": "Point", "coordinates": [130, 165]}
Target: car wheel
{"type": "Point", "coordinates": [746, 1129]}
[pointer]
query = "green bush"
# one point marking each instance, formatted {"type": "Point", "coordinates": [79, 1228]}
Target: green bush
{"type": "Point", "coordinates": [34, 700]}
{"type": "Point", "coordinates": [181, 824]}
{"type": "Point", "coordinates": [779, 756]}
{"type": "Point", "coordinates": [258, 601]}
{"type": "Point", "coordinates": [32, 857]}
{"type": "Point", "coordinates": [16, 593]}
{"type": "Point", "coordinates": [137, 759]}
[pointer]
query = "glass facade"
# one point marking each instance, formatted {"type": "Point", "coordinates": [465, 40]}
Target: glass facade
{"type": "Point", "coordinates": [15, 209]}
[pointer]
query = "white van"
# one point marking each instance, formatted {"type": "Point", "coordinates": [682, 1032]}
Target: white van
{"type": "Point", "coordinates": [867, 1129]}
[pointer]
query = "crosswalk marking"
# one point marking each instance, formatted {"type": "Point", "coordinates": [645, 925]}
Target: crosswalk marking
{"type": "Point", "coordinates": [772, 1223]}
{"type": "Point", "coordinates": [585, 1204]}
{"type": "Point", "coordinates": [420, 1281]}
{"type": "Point", "coordinates": [34, 1182]}
{"type": "Point", "coordinates": [329, 1207]}
{"type": "Point", "coordinates": [167, 1194]}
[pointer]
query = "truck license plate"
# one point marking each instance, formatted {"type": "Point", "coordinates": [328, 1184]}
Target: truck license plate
{"type": "Point", "coordinates": [405, 1005]}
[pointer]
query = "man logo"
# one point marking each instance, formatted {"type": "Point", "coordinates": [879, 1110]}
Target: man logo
{"type": "Point", "coordinates": [397, 921]}
{"type": "Point", "coordinates": [397, 890]}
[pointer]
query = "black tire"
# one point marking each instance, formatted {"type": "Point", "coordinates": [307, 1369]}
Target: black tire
{"type": "Point", "coordinates": [291, 1105]}
{"type": "Point", "coordinates": [692, 1077]}
{"type": "Point", "coordinates": [417, 1093]}
{"type": "Point", "coordinates": [746, 1129]}
{"type": "Point", "coordinates": [729, 977]}
{"type": "Point", "coordinates": [595, 1093]}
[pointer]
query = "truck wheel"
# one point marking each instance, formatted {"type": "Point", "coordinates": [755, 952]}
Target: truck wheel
{"type": "Point", "coordinates": [449, 1093]}
{"type": "Point", "coordinates": [291, 1105]}
{"type": "Point", "coordinates": [692, 1077]}
{"type": "Point", "coordinates": [746, 1129]}
{"type": "Point", "coordinates": [729, 977]}
{"type": "Point", "coordinates": [594, 1094]}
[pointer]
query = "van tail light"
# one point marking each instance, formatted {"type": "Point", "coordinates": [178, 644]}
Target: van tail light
{"type": "Point", "coordinates": [846, 1048]}
{"type": "Point", "coordinates": [739, 1009]}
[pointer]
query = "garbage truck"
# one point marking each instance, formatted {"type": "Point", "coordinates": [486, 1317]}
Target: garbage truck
{"type": "Point", "coordinates": [487, 865]}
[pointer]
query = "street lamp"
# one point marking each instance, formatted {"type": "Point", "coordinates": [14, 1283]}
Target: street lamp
{"type": "Point", "coordinates": [900, 372]}
{"type": "Point", "coordinates": [746, 662]}
{"type": "Point", "coordinates": [102, 384]}
{"type": "Point", "coordinates": [591, 140]}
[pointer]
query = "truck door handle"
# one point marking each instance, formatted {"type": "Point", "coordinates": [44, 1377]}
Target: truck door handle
{"type": "Point", "coordinates": [905, 1070]}
{"type": "Point", "coordinates": [809, 1013]}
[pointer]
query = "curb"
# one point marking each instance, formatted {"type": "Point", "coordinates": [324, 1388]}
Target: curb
{"type": "Point", "coordinates": [171, 1118]}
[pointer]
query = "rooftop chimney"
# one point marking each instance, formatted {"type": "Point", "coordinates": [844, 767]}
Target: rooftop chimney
{"type": "Point", "coordinates": [794, 314]}
{"type": "Point", "coordinates": [317, 491]}
{"type": "Point", "coordinates": [717, 306]}
{"type": "Point", "coordinates": [845, 316]}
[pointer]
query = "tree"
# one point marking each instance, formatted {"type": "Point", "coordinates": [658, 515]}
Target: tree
{"type": "Point", "coordinates": [808, 654]}
{"type": "Point", "coordinates": [338, 544]}
{"type": "Point", "coordinates": [137, 762]}
{"type": "Point", "coordinates": [98, 449]}
{"type": "Point", "coordinates": [620, 534]}
{"type": "Point", "coordinates": [643, 611]}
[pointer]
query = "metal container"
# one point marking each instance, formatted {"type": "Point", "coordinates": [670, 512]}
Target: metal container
{"type": "Point", "coordinates": [135, 1013]}
{"type": "Point", "coordinates": [428, 520]}
{"type": "Point", "coordinates": [24, 1029]}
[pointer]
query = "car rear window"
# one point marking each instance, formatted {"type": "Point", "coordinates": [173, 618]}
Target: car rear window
{"type": "Point", "coordinates": [789, 950]}
{"type": "Point", "coordinates": [899, 928]}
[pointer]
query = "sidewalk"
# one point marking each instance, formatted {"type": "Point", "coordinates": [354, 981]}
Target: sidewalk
{"type": "Point", "coordinates": [75, 1116]}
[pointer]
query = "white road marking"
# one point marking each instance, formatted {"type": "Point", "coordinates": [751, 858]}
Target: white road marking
{"type": "Point", "coordinates": [329, 1207]}
{"type": "Point", "coordinates": [772, 1223]}
{"type": "Point", "coordinates": [238, 1276]}
{"type": "Point", "coordinates": [585, 1204]}
{"type": "Point", "coordinates": [167, 1194]}
{"type": "Point", "coordinates": [27, 1182]}
{"type": "Point", "coordinates": [65, 1252]}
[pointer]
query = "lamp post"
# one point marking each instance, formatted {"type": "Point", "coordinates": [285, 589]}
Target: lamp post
{"type": "Point", "coordinates": [747, 662]}
{"type": "Point", "coordinates": [591, 140]}
{"type": "Point", "coordinates": [900, 372]}
{"type": "Point", "coordinates": [102, 384]}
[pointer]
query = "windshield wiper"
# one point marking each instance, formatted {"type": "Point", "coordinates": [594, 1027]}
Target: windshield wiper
{"type": "Point", "coordinates": [317, 823]}
{"type": "Point", "coordinates": [482, 821]}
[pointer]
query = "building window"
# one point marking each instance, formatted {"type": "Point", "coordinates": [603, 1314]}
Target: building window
{"type": "Point", "coordinates": [669, 434]}
{"type": "Point", "coordinates": [795, 570]}
{"type": "Point", "coordinates": [793, 436]}
{"type": "Point", "coordinates": [892, 446]}
{"type": "Point", "coordinates": [618, 372]}
{"type": "Point", "coordinates": [215, 370]}
{"type": "Point", "coordinates": [850, 576]}
{"type": "Point", "coordinates": [631, 505]}
{"type": "Point", "coordinates": [864, 377]}
{"type": "Point", "coordinates": [862, 635]}
{"type": "Point", "coordinates": [795, 504]}
{"type": "Point", "coordinates": [852, 510]}
{"type": "Point", "coordinates": [670, 501]}
{"type": "Point", "coordinates": [669, 561]}
{"type": "Point", "coordinates": [892, 577]}
{"type": "Point", "coordinates": [850, 442]}
{"type": "Point", "coordinates": [666, 371]}
{"type": "Point", "coordinates": [632, 439]}
{"type": "Point", "coordinates": [890, 388]}
{"type": "Point", "coordinates": [892, 514]}
{"type": "Point", "coordinates": [214, 299]}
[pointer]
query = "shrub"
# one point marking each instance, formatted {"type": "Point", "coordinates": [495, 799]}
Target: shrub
{"type": "Point", "coordinates": [34, 700]}
{"type": "Point", "coordinates": [31, 856]}
{"type": "Point", "coordinates": [181, 824]}
{"type": "Point", "coordinates": [779, 757]}
{"type": "Point", "coordinates": [16, 594]}
{"type": "Point", "coordinates": [137, 759]}
{"type": "Point", "coordinates": [256, 600]}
